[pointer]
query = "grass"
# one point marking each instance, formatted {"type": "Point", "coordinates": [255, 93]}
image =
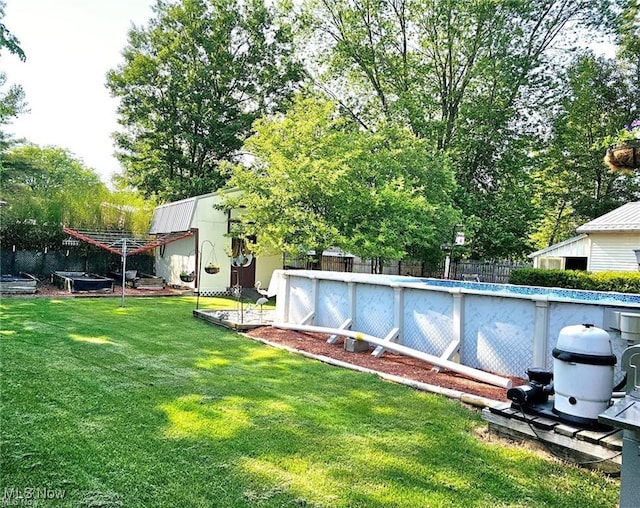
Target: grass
{"type": "Point", "coordinates": [145, 406]}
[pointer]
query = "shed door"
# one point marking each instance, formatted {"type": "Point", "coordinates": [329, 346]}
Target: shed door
{"type": "Point", "coordinates": [244, 276]}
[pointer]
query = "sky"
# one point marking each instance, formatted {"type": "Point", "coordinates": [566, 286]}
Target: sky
{"type": "Point", "coordinates": [70, 46]}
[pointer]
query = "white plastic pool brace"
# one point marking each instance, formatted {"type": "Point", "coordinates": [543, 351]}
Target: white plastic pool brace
{"type": "Point", "coordinates": [480, 375]}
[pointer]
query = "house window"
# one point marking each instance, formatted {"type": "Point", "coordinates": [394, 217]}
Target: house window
{"type": "Point", "coordinates": [550, 263]}
{"type": "Point", "coordinates": [575, 263]}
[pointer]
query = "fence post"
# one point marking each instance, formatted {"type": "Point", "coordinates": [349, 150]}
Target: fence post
{"type": "Point", "coordinates": [286, 297]}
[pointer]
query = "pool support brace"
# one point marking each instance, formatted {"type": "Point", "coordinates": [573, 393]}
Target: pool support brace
{"type": "Point", "coordinates": [470, 372]}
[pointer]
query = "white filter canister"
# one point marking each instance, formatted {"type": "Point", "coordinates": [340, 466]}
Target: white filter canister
{"type": "Point", "coordinates": [583, 363]}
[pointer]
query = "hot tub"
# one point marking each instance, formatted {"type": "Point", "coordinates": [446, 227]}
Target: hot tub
{"type": "Point", "coordinates": [81, 281]}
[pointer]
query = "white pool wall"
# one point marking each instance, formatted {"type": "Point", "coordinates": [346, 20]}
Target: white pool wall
{"type": "Point", "coordinates": [498, 332]}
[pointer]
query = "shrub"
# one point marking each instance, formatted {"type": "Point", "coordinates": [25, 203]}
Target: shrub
{"type": "Point", "coordinates": [623, 282]}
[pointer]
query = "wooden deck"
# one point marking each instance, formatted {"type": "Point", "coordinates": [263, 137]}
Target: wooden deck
{"type": "Point", "coordinates": [598, 449]}
{"type": "Point", "coordinates": [231, 319]}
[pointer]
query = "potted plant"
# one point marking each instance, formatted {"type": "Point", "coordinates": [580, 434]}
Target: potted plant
{"type": "Point", "coordinates": [187, 276]}
{"type": "Point", "coordinates": [212, 268]}
{"type": "Point", "coordinates": [623, 153]}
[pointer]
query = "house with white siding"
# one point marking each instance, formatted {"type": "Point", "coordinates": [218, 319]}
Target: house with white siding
{"type": "Point", "coordinates": [208, 243]}
{"type": "Point", "coordinates": [608, 243]}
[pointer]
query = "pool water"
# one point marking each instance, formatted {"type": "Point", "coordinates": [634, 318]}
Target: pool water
{"type": "Point", "coordinates": [513, 290]}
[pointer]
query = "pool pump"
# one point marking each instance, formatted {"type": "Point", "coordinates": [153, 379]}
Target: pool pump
{"type": "Point", "coordinates": [536, 391]}
{"type": "Point", "coordinates": [581, 382]}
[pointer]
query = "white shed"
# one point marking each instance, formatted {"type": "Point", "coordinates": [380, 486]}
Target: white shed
{"type": "Point", "coordinates": [572, 254]}
{"type": "Point", "coordinates": [208, 243]}
{"type": "Point", "coordinates": [608, 243]}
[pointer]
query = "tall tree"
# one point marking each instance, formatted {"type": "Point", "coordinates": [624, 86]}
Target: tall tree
{"type": "Point", "coordinates": [320, 181]}
{"type": "Point", "coordinates": [191, 85]}
{"type": "Point", "coordinates": [628, 31]}
{"type": "Point", "coordinates": [46, 188]}
{"type": "Point", "coordinates": [465, 76]}
{"type": "Point", "coordinates": [574, 185]}
{"type": "Point", "coordinates": [7, 39]}
{"type": "Point", "coordinates": [12, 100]}
{"type": "Point", "coordinates": [628, 28]}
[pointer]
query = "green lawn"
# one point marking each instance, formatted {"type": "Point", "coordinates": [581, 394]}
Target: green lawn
{"type": "Point", "coordinates": [146, 406]}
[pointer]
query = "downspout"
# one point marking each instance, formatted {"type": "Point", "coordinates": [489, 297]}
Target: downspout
{"type": "Point", "coordinates": [196, 239]}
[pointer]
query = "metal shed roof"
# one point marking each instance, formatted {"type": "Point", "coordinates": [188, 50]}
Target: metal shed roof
{"type": "Point", "coordinates": [173, 217]}
{"type": "Point", "coordinates": [623, 219]}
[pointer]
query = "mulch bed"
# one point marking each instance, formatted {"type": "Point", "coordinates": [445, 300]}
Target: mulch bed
{"type": "Point", "coordinates": [47, 289]}
{"type": "Point", "coordinates": [389, 363]}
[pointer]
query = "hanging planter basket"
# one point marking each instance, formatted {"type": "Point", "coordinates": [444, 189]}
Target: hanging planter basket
{"type": "Point", "coordinates": [212, 269]}
{"type": "Point", "coordinates": [187, 277]}
{"type": "Point", "coordinates": [624, 157]}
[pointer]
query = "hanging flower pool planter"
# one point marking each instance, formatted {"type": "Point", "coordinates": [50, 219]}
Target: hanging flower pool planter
{"type": "Point", "coordinates": [212, 269]}
{"type": "Point", "coordinates": [624, 157]}
{"type": "Point", "coordinates": [187, 277]}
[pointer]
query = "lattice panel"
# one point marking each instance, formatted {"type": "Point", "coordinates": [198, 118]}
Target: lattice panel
{"type": "Point", "coordinates": [333, 303]}
{"type": "Point", "coordinates": [497, 341]}
{"type": "Point", "coordinates": [427, 320]}
{"type": "Point", "coordinates": [300, 298]}
{"type": "Point", "coordinates": [375, 309]}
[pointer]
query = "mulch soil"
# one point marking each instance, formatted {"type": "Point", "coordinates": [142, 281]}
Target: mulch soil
{"type": "Point", "coordinates": [389, 363]}
{"type": "Point", "coordinates": [46, 289]}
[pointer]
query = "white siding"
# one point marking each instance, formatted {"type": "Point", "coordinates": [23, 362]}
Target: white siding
{"type": "Point", "coordinates": [174, 258]}
{"type": "Point", "coordinates": [579, 248]}
{"type": "Point", "coordinates": [214, 246]}
{"type": "Point", "coordinates": [554, 255]}
{"type": "Point", "coordinates": [613, 252]}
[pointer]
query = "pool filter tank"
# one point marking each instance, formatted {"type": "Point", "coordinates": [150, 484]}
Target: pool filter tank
{"type": "Point", "coordinates": [583, 363]}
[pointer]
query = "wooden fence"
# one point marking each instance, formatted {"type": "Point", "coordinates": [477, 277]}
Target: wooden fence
{"type": "Point", "coordinates": [486, 271]}
{"type": "Point", "coordinates": [472, 270]}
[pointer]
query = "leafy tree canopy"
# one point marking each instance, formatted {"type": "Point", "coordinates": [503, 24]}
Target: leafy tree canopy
{"type": "Point", "coordinates": [12, 97]}
{"type": "Point", "coordinates": [46, 188]}
{"type": "Point", "coordinates": [318, 181]}
{"type": "Point", "coordinates": [628, 29]}
{"type": "Point", "coordinates": [470, 78]}
{"type": "Point", "coordinates": [7, 39]}
{"type": "Point", "coordinates": [573, 185]}
{"type": "Point", "coordinates": [191, 84]}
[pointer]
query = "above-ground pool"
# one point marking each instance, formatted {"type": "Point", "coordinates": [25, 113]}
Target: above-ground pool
{"type": "Point", "coordinates": [81, 281]}
{"type": "Point", "coordinates": [499, 328]}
